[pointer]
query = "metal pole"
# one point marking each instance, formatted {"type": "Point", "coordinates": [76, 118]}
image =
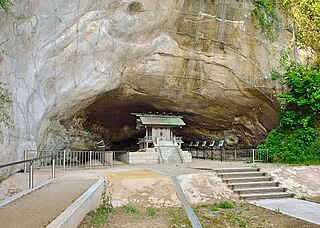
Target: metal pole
{"type": "Point", "coordinates": [25, 158]}
{"type": "Point", "coordinates": [53, 167]}
{"type": "Point", "coordinates": [90, 159]}
{"type": "Point", "coordinates": [31, 175]}
{"type": "Point", "coordinates": [64, 160]}
{"type": "Point", "coordinates": [235, 154]}
{"type": "Point", "coordinates": [253, 155]}
{"type": "Point", "coordinates": [112, 155]}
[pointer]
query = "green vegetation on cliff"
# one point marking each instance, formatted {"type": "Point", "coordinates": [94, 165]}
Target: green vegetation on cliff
{"type": "Point", "coordinates": [5, 100]}
{"type": "Point", "coordinates": [297, 138]}
{"type": "Point", "coordinates": [303, 15]}
{"type": "Point", "coordinates": [5, 4]}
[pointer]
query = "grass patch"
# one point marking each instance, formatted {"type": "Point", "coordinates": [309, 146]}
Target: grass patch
{"type": "Point", "coordinates": [151, 211]}
{"type": "Point", "coordinates": [214, 208]}
{"type": "Point", "coordinates": [130, 209]}
{"type": "Point", "coordinates": [178, 218]}
{"type": "Point", "coordinates": [226, 204]}
{"type": "Point", "coordinates": [99, 217]}
{"type": "Point", "coordinates": [242, 214]}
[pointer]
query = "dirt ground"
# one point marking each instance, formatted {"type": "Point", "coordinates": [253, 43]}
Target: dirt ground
{"type": "Point", "coordinates": [143, 189]}
{"type": "Point", "coordinates": [19, 182]}
{"type": "Point", "coordinates": [163, 217]}
{"type": "Point", "coordinates": [246, 215]}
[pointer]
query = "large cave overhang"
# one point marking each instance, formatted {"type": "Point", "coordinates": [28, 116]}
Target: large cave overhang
{"type": "Point", "coordinates": [205, 118]}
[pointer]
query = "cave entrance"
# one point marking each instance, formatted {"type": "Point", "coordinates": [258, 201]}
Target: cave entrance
{"type": "Point", "coordinates": [113, 111]}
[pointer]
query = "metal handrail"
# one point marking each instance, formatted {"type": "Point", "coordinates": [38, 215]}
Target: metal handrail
{"type": "Point", "coordinates": [83, 158]}
{"type": "Point", "coordinates": [24, 161]}
{"type": "Point", "coordinates": [31, 161]}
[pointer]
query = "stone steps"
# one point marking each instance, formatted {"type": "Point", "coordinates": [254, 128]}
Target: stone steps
{"type": "Point", "coordinates": [170, 154]}
{"type": "Point", "coordinates": [259, 190]}
{"type": "Point", "coordinates": [269, 195]}
{"type": "Point", "coordinates": [246, 179]}
{"type": "Point", "coordinates": [234, 170]}
{"type": "Point", "coordinates": [241, 174]}
{"type": "Point", "coordinates": [251, 184]}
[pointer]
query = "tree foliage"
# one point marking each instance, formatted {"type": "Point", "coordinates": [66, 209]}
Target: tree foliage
{"type": "Point", "coordinates": [5, 4]}
{"type": "Point", "coordinates": [303, 14]}
{"type": "Point", "coordinates": [267, 15]}
{"type": "Point", "coordinates": [297, 138]}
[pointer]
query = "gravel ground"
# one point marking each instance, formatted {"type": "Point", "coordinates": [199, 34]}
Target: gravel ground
{"type": "Point", "coordinates": [173, 169]}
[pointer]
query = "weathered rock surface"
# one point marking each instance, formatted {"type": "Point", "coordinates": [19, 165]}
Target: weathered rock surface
{"type": "Point", "coordinates": [205, 59]}
{"type": "Point", "coordinates": [303, 181]}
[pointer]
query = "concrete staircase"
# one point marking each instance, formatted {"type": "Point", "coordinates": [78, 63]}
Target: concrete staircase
{"type": "Point", "coordinates": [251, 184]}
{"type": "Point", "coordinates": [170, 154]}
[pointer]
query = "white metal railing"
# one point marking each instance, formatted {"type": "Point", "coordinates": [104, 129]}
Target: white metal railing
{"type": "Point", "coordinates": [214, 153]}
{"type": "Point", "coordinates": [32, 163]}
{"type": "Point", "coordinates": [69, 159]}
{"type": "Point", "coordinates": [260, 155]}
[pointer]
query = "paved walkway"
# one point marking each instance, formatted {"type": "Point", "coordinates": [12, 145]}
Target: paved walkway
{"type": "Point", "coordinates": [40, 207]}
{"type": "Point", "coordinates": [301, 209]}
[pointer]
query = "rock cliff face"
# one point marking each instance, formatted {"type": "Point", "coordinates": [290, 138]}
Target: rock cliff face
{"type": "Point", "coordinates": [76, 69]}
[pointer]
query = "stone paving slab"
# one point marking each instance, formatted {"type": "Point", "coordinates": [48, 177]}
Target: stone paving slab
{"type": "Point", "coordinates": [301, 209]}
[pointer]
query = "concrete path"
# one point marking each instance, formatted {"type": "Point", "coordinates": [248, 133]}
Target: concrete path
{"type": "Point", "coordinates": [301, 209]}
{"type": "Point", "coordinates": [43, 205]}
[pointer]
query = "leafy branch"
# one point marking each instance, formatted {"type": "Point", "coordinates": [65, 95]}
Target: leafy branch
{"type": "Point", "coordinates": [5, 4]}
{"type": "Point", "coordinates": [297, 138]}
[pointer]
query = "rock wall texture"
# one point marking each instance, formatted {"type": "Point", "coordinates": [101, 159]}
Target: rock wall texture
{"type": "Point", "coordinates": [77, 68]}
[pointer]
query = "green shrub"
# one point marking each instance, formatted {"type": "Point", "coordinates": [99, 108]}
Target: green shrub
{"type": "Point", "coordinates": [213, 208]}
{"type": "Point", "coordinates": [130, 209]}
{"type": "Point", "coordinates": [99, 217]}
{"type": "Point", "coordinates": [226, 204]}
{"type": "Point", "coordinates": [297, 138]}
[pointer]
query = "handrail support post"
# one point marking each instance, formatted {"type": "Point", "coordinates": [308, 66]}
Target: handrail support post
{"type": "Point", "coordinates": [25, 158]}
{"type": "Point", "coordinates": [90, 159]}
{"type": "Point", "coordinates": [53, 167]}
{"type": "Point", "coordinates": [64, 160]}
{"type": "Point", "coordinates": [31, 175]}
